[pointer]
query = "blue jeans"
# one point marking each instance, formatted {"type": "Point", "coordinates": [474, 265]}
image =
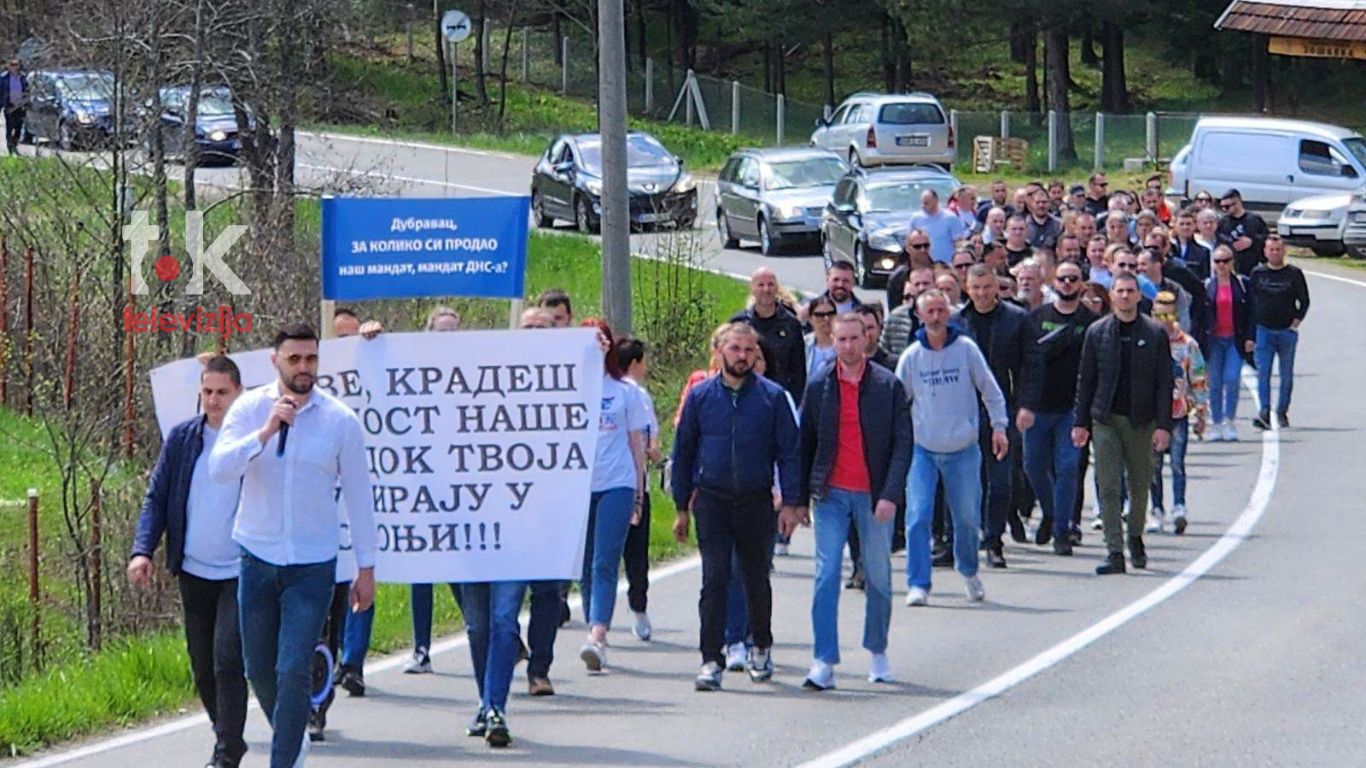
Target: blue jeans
{"type": "Point", "coordinates": [737, 614]}
{"type": "Point", "coordinates": [543, 625]}
{"type": "Point", "coordinates": [961, 474]}
{"type": "Point", "coordinates": [422, 612]}
{"type": "Point", "coordinates": [834, 514]}
{"type": "Point", "coordinates": [282, 610]}
{"type": "Point", "coordinates": [356, 641]}
{"type": "Point", "coordinates": [1052, 462]}
{"type": "Point", "coordinates": [491, 610]}
{"type": "Point", "coordinates": [1279, 344]}
{"type": "Point", "coordinates": [1180, 436]}
{"type": "Point", "coordinates": [1225, 365]}
{"type": "Point", "coordinates": [609, 520]}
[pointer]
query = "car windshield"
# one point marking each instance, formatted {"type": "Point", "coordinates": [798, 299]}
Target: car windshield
{"type": "Point", "coordinates": [910, 113]}
{"type": "Point", "coordinates": [813, 172]}
{"type": "Point", "coordinates": [86, 86]}
{"type": "Point", "coordinates": [1357, 146]}
{"type": "Point", "coordinates": [641, 152]}
{"type": "Point", "coordinates": [905, 195]}
{"type": "Point", "coordinates": [214, 105]}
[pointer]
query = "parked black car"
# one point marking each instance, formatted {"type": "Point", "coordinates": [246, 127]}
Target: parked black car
{"type": "Point", "coordinates": [567, 183]}
{"type": "Point", "coordinates": [215, 129]}
{"type": "Point", "coordinates": [868, 217]}
{"type": "Point", "coordinates": [775, 196]}
{"type": "Point", "coordinates": [72, 108]}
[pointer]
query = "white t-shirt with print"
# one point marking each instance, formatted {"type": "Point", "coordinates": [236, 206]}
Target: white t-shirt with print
{"type": "Point", "coordinates": [623, 412]}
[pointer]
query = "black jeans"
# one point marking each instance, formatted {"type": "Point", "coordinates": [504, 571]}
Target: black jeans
{"type": "Point", "coordinates": [543, 626]}
{"type": "Point", "coordinates": [743, 525]}
{"type": "Point", "coordinates": [637, 558]}
{"type": "Point", "coordinates": [333, 630]}
{"type": "Point", "coordinates": [213, 637]}
{"type": "Point", "coordinates": [14, 129]}
{"type": "Point", "coordinates": [997, 480]}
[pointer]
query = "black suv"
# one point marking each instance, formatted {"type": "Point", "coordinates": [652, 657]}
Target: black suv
{"type": "Point", "coordinates": [867, 220]}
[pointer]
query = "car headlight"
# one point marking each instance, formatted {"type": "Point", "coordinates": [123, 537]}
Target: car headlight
{"type": "Point", "coordinates": [886, 262]}
{"type": "Point", "coordinates": [217, 136]}
{"type": "Point", "coordinates": [1311, 214]}
{"type": "Point", "coordinates": [1292, 213]}
{"type": "Point", "coordinates": [594, 186]}
{"type": "Point", "coordinates": [83, 117]}
{"type": "Point", "coordinates": [884, 241]}
{"type": "Point", "coordinates": [685, 183]}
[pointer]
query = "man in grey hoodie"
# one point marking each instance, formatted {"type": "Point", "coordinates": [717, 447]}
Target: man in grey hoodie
{"type": "Point", "coordinates": [944, 374]}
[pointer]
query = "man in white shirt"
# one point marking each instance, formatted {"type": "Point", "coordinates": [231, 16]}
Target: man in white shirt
{"type": "Point", "coordinates": [196, 514]}
{"type": "Point", "coordinates": [290, 445]}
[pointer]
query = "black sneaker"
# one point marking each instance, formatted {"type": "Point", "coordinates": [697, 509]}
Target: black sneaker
{"type": "Point", "coordinates": [352, 680]}
{"type": "Point", "coordinates": [478, 727]}
{"type": "Point", "coordinates": [1017, 528]}
{"type": "Point", "coordinates": [855, 580]}
{"type": "Point", "coordinates": [1075, 536]}
{"type": "Point", "coordinates": [942, 558]}
{"type": "Point", "coordinates": [1179, 525]}
{"type": "Point", "coordinates": [1062, 547]}
{"type": "Point", "coordinates": [565, 615]}
{"type": "Point", "coordinates": [317, 723]}
{"type": "Point", "coordinates": [1114, 563]}
{"type": "Point", "coordinates": [1284, 419]}
{"type": "Point", "coordinates": [1263, 420]}
{"type": "Point", "coordinates": [709, 679]}
{"type": "Point", "coordinates": [996, 557]}
{"type": "Point", "coordinates": [496, 733]}
{"type": "Point", "coordinates": [1044, 534]}
{"type": "Point", "coordinates": [1137, 554]}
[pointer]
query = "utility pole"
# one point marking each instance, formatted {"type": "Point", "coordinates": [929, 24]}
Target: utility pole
{"type": "Point", "coordinates": [616, 231]}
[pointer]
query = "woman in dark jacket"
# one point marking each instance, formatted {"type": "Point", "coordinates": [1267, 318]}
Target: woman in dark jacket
{"type": "Point", "coordinates": [1228, 340]}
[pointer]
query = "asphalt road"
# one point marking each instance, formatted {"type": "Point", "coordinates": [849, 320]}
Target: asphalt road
{"type": "Point", "coordinates": [1237, 647]}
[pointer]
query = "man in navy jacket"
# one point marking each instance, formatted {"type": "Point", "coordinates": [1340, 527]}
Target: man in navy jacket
{"type": "Point", "coordinates": [14, 101]}
{"type": "Point", "coordinates": [196, 514]}
{"type": "Point", "coordinates": [733, 430]}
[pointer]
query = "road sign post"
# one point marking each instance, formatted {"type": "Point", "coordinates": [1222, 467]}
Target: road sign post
{"type": "Point", "coordinates": [456, 28]}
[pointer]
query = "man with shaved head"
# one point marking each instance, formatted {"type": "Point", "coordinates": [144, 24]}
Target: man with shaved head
{"type": "Point", "coordinates": [785, 353]}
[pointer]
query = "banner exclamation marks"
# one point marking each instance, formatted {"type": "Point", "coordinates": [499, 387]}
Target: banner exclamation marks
{"type": "Point", "coordinates": [468, 545]}
{"type": "Point", "coordinates": [482, 543]}
{"type": "Point", "coordinates": [497, 535]}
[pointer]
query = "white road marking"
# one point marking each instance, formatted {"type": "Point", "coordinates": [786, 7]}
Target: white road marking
{"type": "Point", "coordinates": [412, 144]}
{"type": "Point", "coordinates": [383, 665]}
{"type": "Point", "coordinates": [1327, 276]}
{"type": "Point", "coordinates": [1256, 506]}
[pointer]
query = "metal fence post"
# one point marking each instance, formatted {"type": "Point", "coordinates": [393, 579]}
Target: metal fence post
{"type": "Point", "coordinates": [782, 108]}
{"type": "Point", "coordinates": [649, 85]}
{"type": "Point", "coordinates": [564, 64]}
{"type": "Point", "coordinates": [953, 127]}
{"type": "Point", "coordinates": [1005, 124]}
{"type": "Point", "coordinates": [735, 107]}
{"type": "Point", "coordinates": [488, 23]}
{"type": "Point", "coordinates": [1052, 141]}
{"type": "Point", "coordinates": [687, 99]}
{"type": "Point", "coordinates": [1151, 119]}
{"type": "Point", "coordinates": [526, 54]}
{"type": "Point", "coordinates": [1100, 141]}
{"type": "Point", "coordinates": [34, 593]}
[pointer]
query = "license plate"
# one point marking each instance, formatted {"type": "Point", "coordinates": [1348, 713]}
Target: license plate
{"type": "Point", "coordinates": [652, 218]}
{"type": "Point", "coordinates": [919, 140]}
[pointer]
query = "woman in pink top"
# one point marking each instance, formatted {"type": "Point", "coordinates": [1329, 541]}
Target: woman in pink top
{"type": "Point", "coordinates": [1229, 339]}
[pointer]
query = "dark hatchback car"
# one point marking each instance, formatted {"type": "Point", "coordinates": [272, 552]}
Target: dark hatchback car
{"type": "Point", "coordinates": [567, 183]}
{"type": "Point", "coordinates": [72, 108]}
{"type": "Point", "coordinates": [215, 128]}
{"type": "Point", "coordinates": [869, 216]}
{"type": "Point", "coordinates": [775, 196]}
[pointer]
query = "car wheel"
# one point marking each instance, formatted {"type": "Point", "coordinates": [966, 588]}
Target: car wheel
{"type": "Point", "coordinates": [723, 227]}
{"type": "Point", "coordinates": [65, 139]}
{"type": "Point", "coordinates": [1357, 251]}
{"type": "Point", "coordinates": [583, 217]}
{"type": "Point", "coordinates": [538, 211]}
{"type": "Point", "coordinates": [1327, 249]}
{"type": "Point", "coordinates": [768, 242]}
{"type": "Point", "coordinates": [860, 267]}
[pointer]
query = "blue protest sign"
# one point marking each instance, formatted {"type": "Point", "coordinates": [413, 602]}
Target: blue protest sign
{"type": "Point", "coordinates": [387, 248]}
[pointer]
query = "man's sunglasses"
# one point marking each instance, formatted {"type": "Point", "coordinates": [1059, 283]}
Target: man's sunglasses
{"type": "Point", "coordinates": [918, 246]}
{"type": "Point", "coordinates": [1226, 206]}
{"type": "Point", "coordinates": [1222, 261]}
{"type": "Point", "coordinates": [827, 313]}
{"type": "Point", "coordinates": [1068, 278]}
{"type": "Point", "coordinates": [1126, 265]}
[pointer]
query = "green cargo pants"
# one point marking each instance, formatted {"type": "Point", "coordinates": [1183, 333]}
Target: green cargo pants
{"type": "Point", "coordinates": [1123, 450]}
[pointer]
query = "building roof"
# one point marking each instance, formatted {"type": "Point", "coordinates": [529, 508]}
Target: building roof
{"type": "Point", "coordinates": [1343, 20]}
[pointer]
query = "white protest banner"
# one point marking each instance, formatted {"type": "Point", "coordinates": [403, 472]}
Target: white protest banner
{"type": "Point", "coordinates": [480, 444]}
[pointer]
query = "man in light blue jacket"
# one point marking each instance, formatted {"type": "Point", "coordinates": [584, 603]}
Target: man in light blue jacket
{"type": "Point", "coordinates": [944, 374]}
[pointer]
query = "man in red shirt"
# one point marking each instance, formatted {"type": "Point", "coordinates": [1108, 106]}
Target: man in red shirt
{"type": "Point", "coordinates": [856, 446]}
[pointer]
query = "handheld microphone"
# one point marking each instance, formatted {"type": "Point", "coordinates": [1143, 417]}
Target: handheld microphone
{"type": "Point", "coordinates": [280, 444]}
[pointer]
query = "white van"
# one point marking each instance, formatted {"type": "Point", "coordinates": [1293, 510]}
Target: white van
{"type": "Point", "coordinates": [1272, 162]}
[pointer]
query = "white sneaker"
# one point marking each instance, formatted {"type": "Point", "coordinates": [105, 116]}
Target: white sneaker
{"type": "Point", "coordinates": [737, 656]}
{"type": "Point", "coordinates": [976, 592]}
{"type": "Point", "coordinates": [594, 656]}
{"type": "Point", "coordinates": [1215, 434]}
{"type": "Point", "coordinates": [1154, 524]}
{"type": "Point", "coordinates": [642, 630]}
{"type": "Point", "coordinates": [917, 596]}
{"type": "Point", "coordinates": [821, 677]}
{"type": "Point", "coordinates": [879, 669]}
{"type": "Point", "coordinates": [780, 549]}
{"type": "Point", "coordinates": [1230, 431]}
{"type": "Point", "coordinates": [419, 664]}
